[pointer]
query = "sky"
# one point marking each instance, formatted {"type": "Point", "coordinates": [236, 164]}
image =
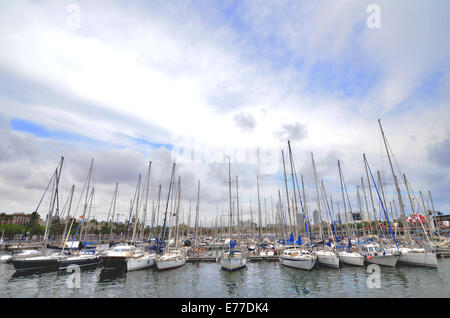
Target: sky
{"type": "Point", "coordinates": [196, 82]}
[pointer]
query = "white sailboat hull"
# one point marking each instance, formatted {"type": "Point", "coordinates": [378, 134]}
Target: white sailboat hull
{"type": "Point", "coordinates": [426, 259]}
{"type": "Point", "coordinates": [298, 262]}
{"type": "Point", "coordinates": [354, 259]}
{"type": "Point", "coordinates": [163, 264]}
{"type": "Point", "coordinates": [145, 261]}
{"type": "Point", "coordinates": [5, 258]}
{"type": "Point", "coordinates": [328, 259]}
{"type": "Point", "coordinates": [232, 264]}
{"type": "Point", "coordinates": [383, 260]}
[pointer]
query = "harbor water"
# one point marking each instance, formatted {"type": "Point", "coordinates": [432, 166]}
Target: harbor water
{"type": "Point", "coordinates": [262, 279]}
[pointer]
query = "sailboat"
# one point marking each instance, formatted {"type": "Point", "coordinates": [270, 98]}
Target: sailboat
{"type": "Point", "coordinates": [351, 257]}
{"type": "Point", "coordinates": [127, 257]}
{"type": "Point", "coordinates": [326, 254]}
{"type": "Point", "coordinates": [46, 261]}
{"type": "Point", "coordinates": [84, 258]}
{"type": "Point", "coordinates": [171, 257]}
{"type": "Point", "coordinates": [373, 252]}
{"type": "Point", "coordinates": [411, 255]}
{"type": "Point", "coordinates": [296, 256]}
{"type": "Point", "coordinates": [232, 259]}
{"type": "Point", "coordinates": [141, 258]}
{"type": "Point", "coordinates": [348, 256]}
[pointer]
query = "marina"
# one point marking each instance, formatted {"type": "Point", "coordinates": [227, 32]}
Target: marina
{"type": "Point", "coordinates": [225, 149]}
{"type": "Point", "coordinates": [259, 279]}
{"type": "Point", "coordinates": [351, 248]}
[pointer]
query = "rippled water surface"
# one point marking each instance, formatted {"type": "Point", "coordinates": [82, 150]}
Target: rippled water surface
{"type": "Point", "coordinates": [259, 279]}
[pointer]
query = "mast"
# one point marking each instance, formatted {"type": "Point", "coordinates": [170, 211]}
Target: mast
{"type": "Point", "coordinates": [360, 209]}
{"type": "Point", "coordinates": [432, 216]}
{"type": "Point", "coordinates": [426, 214]}
{"type": "Point", "coordinates": [131, 208]}
{"type": "Point", "coordinates": [157, 210]}
{"type": "Point", "coordinates": [295, 207]}
{"type": "Point", "coordinates": [57, 174]}
{"type": "Point", "coordinates": [136, 218]}
{"type": "Point", "coordinates": [267, 217]}
{"type": "Point", "coordinates": [251, 217]}
{"type": "Point", "coordinates": [56, 198]}
{"type": "Point", "coordinates": [86, 197]}
{"type": "Point", "coordinates": [113, 204]}
{"type": "Point", "coordinates": [381, 202]}
{"type": "Point", "coordinates": [306, 209]}
{"type": "Point", "coordinates": [167, 204]}
{"type": "Point", "coordinates": [172, 212]}
{"type": "Point", "coordinates": [371, 197]}
{"type": "Point", "coordinates": [68, 213]}
{"type": "Point", "coordinates": [150, 233]}
{"type": "Point", "coordinates": [367, 206]}
{"type": "Point", "coordinates": [189, 218]}
{"type": "Point", "coordinates": [196, 215]}
{"type": "Point", "coordinates": [287, 191]}
{"type": "Point", "coordinates": [81, 222]}
{"type": "Point", "coordinates": [400, 201]}
{"type": "Point", "coordinates": [229, 183]}
{"type": "Point", "coordinates": [282, 216]}
{"type": "Point", "coordinates": [418, 206]}
{"type": "Point", "coordinates": [318, 197]}
{"type": "Point", "coordinates": [259, 212]}
{"type": "Point", "coordinates": [237, 209]}
{"type": "Point", "coordinates": [177, 211]}
{"type": "Point", "coordinates": [330, 222]}
{"type": "Point", "coordinates": [147, 186]}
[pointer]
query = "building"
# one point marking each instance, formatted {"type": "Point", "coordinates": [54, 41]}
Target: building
{"type": "Point", "coordinates": [301, 221]}
{"type": "Point", "coordinates": [316, 217]}
{"type": "Point", "coordinates": [442, 221]}
{"type": "Point", "coordinates": [21, 219]}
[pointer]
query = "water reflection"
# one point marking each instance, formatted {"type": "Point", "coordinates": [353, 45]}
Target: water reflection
{"type": "Point", "coordinates": [233, 281]}
{"type": "Point", "coordinates": [262, 279]}
{"type": "Point", "coordinates": [107, 275]}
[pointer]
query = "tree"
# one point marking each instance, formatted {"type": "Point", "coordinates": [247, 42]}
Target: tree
{"type": "Point", "coordinates": [12, 229]}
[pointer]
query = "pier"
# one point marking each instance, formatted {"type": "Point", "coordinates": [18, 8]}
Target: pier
{"type": "Point", "coordinates": [213, 258]}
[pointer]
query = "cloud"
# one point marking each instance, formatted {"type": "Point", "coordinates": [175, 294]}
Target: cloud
{"type": "Point", "coordinates": [138, 76]}
{"type": "Point", "coordinates": [440, 152]}
{"type": "Point", "coordinates": [295, 132]}
{"type": "Point", "coordinates": [245, 121]}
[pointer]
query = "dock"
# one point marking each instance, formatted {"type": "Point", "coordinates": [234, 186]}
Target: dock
{"type": "Point", "coordinates": [258, 258]}
{"type": "Point", "coordinates": [24, 246]}
{"type": "Point", "coordinates": [196, 259]}
{"type": "Point", "coordinates": [215, 259]}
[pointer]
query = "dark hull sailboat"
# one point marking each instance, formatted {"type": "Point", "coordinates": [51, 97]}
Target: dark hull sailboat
{"type": "Point", "coordinates": [36, 264]}
{"type": "Point", "coordinates": [115, 263]}
{"type": "Point", "coordinates": [83, 261]}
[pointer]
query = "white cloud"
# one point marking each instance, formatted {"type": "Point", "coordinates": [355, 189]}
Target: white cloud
{"type": "Point", "coordinates": [171, 73]}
